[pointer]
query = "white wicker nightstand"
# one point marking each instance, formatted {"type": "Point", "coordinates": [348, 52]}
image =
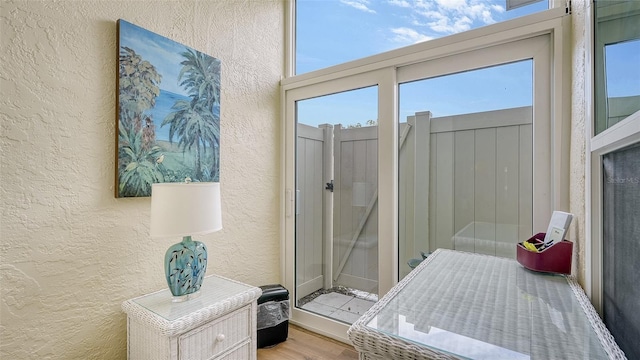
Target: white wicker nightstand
{"type": "Point", "coordinates": [218, 324]}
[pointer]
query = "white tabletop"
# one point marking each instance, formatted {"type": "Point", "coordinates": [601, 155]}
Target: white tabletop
{"type": "Point", "coordinates": [484, 307]}
{"type": "Point", "coordinates": [217, 296]}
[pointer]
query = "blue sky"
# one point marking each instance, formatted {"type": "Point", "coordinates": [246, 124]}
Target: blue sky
{"type": "Point", "coordinates": [501, 87]}
{"type": "Point", "coordinates": [331, 32]}
{"type": "Point", "coordinates": [623, 77]}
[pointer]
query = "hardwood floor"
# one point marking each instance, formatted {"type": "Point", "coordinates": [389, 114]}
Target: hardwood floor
{"type": "Point", "coordinates": [302, 344]}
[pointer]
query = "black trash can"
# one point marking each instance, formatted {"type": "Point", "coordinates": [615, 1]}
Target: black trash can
{"type": "Point", "coordinates": [273, 315]}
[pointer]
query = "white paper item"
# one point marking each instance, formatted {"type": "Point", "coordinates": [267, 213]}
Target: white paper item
{"type": "Point", "coordinates": [558, 227]}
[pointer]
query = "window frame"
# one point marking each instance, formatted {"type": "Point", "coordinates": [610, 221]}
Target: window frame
{"type": "Point", "coordinates": [610, 27]}
{"type": "Point", "coordinates": [381, 70]}
{"type": "Point", "coordinates": [619, 135]}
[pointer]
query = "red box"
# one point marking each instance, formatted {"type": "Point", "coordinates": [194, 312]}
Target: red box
{"type": "Point", "coordinates": [554, 259]}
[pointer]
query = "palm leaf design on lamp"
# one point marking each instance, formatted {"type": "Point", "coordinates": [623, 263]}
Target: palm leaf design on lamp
{"type": "Point", "coordinates": [186, 265]}
{"type": "Point", "coordinates": [185, 209]}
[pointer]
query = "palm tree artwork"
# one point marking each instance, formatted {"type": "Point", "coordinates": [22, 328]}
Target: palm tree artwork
{"type": "Point", "coordinates": [168, 112]}
{"type": "Point", "coordinates": [195, 121]}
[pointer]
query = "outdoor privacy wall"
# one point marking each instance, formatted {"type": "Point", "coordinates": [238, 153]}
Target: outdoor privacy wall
{"type": "Point", "coordinates": [70, 252]}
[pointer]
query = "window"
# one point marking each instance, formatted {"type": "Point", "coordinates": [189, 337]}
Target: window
{"type": "Point", "coordinates": [617, 55]}
{"type": "Point", "coordinates": [331, 32]}
{"type": "Point", "coordinates": [615, 174]}
{"type": "Point", "coordinates": [466, 153]}
{"type": "Point", "coordinates": [526, 45]}
{"type": "Point", "coordinates": [621, 247]}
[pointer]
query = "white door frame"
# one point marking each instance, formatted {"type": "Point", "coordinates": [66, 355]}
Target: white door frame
{"type": "Point", "coordinates": [384, 70]}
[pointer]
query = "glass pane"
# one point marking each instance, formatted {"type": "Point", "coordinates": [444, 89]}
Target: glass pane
{"type": "Point", "coordinates": [331, 32]}
{"type": "Point", "coordinates": [336, 210]}
{"type": "Point", "coordinates": [621, 247]}
{"type": "Point", "coordinates": [617, 55]}
{"type": "Point", "coordinates": [622, 72]}
{"type": "Point", "coordinates": [469, 136]}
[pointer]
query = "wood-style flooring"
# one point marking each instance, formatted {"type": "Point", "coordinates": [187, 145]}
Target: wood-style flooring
{"type": "Point", "coordinates": [302, 344]}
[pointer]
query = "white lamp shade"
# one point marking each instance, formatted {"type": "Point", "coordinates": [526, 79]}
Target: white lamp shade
{"type": "Point", "coordinates": [185, 209]}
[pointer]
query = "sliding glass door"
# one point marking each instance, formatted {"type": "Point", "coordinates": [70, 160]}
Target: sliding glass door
{"type": "Point", "coordinates": [469, 128]}
{"type": "Point", "coordinates": [453, 145]}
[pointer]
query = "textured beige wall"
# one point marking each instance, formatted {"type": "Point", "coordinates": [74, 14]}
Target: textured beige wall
{"type": "Point", "coordinates": [70, 252]}
{"type": "Point", "coordinates": [579, 102]}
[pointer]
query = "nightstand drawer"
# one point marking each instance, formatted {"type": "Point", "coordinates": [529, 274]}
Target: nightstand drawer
{"type": "Point", "coordinates": [212, 339]}
{"type": "Point", "coordinates": [242, 352]}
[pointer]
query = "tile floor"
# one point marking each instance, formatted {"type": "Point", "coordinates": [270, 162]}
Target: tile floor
{"type": "Point", "coordinates": [341, 307]}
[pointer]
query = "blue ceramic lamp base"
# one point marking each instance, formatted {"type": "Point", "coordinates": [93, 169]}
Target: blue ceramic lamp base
{"type": "Point", "coordinates": [185, 267]}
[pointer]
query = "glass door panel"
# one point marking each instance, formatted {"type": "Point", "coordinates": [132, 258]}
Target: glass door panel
{"type": "Point", "coordinates": [465, 162]}
{"type": "Point", "coordinates": [336, 218]}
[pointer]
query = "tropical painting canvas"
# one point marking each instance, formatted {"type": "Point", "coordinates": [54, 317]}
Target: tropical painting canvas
{"type": "Point", "coordinates": [168, 112]}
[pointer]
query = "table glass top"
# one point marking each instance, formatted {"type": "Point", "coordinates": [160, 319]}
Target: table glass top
{"type": "Point", "coordinates": [485, 307]}
{"type": "Point", "coordinates": [214, 289]}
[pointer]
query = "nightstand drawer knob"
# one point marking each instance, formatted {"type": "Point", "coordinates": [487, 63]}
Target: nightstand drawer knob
{"type": "Point", "coordinates": [220, 337]}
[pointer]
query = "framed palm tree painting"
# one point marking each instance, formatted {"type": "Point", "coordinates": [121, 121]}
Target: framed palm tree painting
{"type": "Point", "coordinates": [168, 112]}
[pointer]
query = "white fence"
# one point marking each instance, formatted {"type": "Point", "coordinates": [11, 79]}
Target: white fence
{"type": "Point", "coordinates": [355, 205]}
{"type": "Point", "coordinates": [481, 181]}
{"type": "Point", "coordinates": [465, 183]}
{"type": "Point", "coordinates": [311, 226]}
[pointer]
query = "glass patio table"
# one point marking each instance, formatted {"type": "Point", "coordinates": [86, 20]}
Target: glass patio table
{"type": "Point", "coordinates": [458, 305]}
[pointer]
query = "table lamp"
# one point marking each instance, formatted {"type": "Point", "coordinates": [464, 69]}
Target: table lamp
{"type": "Point", "coordinates": [185, 209]}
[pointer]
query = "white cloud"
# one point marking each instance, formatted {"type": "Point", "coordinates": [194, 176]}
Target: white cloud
{"type": "Point", "coordinates": [452, 4]}
{"type": "Point", "coordinates": [423, 4]}
{"type": "Point", "coordinates": [444, 25]}
{"type": "Point", "coordinates": [359, 4]}
{"type": "Point", "coordinates": [416, 22]}
{"type": "Point", "coordinates": [453, 16]}
{"type": "Point", "coordinates": [400, 3]}
{"type": "Point", "coordinates": [497, 8]}
{"type": "Point", "coordinates": [487, 18]}
{"type": "Point", "coordinates": [473, 10]}
{"type": "Point", "coordinates": [435, 15]}
{"type": "Point", "coordinates": [408, 36]}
